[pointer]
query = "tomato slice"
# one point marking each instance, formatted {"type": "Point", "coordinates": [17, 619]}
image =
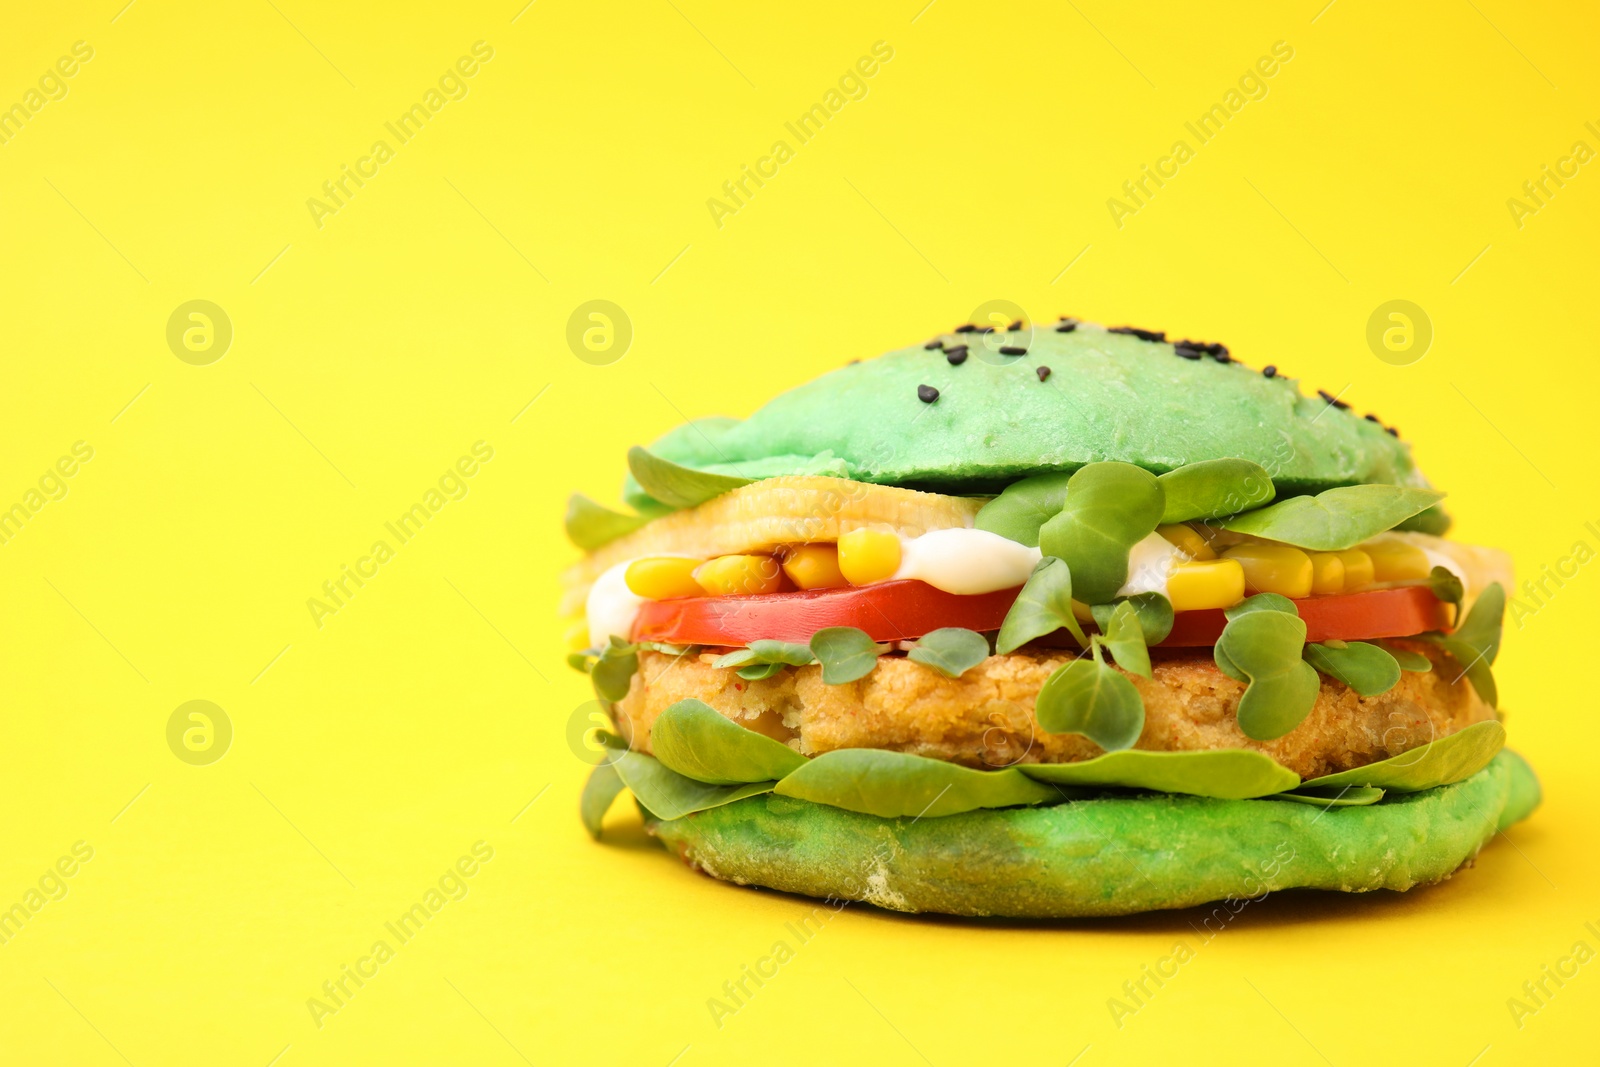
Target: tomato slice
{"type": "Point", "coordinates": [903, 610]}
{"type": "Point", "coordinates": [888, 611]}
{"type": "Point", "coordinates": [1402, 612]}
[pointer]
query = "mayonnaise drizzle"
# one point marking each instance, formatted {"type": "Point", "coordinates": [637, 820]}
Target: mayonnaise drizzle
{"type": "Point", "coordinates": [966, 561]}
{"type": "Point", "coordinates": [1149, 564]}
{"type": "Point", "coordinates": [611, 606]}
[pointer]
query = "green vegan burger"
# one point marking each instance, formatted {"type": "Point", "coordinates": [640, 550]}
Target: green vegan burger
{"type": "Point", "coordinates": [1050, 621]}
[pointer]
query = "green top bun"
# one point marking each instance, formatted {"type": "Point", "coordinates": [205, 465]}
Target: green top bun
{"type": "Point", "coordinates": [1108, 395]}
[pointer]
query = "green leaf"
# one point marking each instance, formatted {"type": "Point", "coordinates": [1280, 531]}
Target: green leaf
{"type": "Point", "coordinates": [757, 672]}
{"type": "Point", "coordinates": [664, 648]}
{"type": "Point", "coordinates": [845, 653]}
{"type": "Point", "coordinates": [1447, 587]}
{"type": "Point", "coordinates": [675, 485]}
{"type": "Point", "coordinates": [1476, 642]}
{"type": "Point", "coordinates": [1225, 773]}
{"type": "Point", "coordinates": [1364, 667]}
{"type": "Point", "coordinates": [1044, 606]}
{"type": "Point", "coordinates": [1259, 602]}
{"type": "Point", "coordinates": [670, 795]}
{"type": "Point", "coordinates": [896, 784]}
{"type": "Point", "coordinates": [580, 661]}
{"type": "Point", "coordinates": [1481, 629]}
{"type": "Point", "coordinates": [1350, 796]}
{"type": "Point", "coordinates": [591, 525]}
{"type": "Point", "coordinates": [783, 653]}
{"type": "Point", "coordinates": [613, 671]}
{"type": "Point", "coordinates": [607, 739]}
{"type": "Point", "coordinates": [1022, 507]}
{"type": "Point", "coordinates": [1213, 488]}
{"type": "Point", "coordinates": [1226, 665]}
{"type": "Point", "coordinates": [1408, 660]}
{"type": "Point", "coordinates": [1090, 698]}
{"type": "Point", "coordinates": [598, 792]}
{"type": "Point", "coordinates": [1435, 521]}
{"type": "Point", "coordinates": [1262, 602]}
{"type": "Point", "coordinates": [1472, 664]}
{"type": "Point", "coordinates": [1110, 507]}
{"type": "Point", "coordinates": [1446, 760]}
{"type": "Point", "coordinates": [1265, 647]}
{"type": "Point", "coordinates": [1154, 611]}
{"type": "Point", "coordinates": [1124, 638]}
{"type": "Point", "coordinates": [788, 652]}
{"type": "Point", "coordinates": [690, 737]}
{"type": "Point", "coordinates": [1336, 519]}
{"type": "Point", "coordinates": [952, 651]}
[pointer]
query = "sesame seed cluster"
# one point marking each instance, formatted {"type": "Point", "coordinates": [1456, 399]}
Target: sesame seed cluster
{"type": "Point", "coordinates": [956, 351]}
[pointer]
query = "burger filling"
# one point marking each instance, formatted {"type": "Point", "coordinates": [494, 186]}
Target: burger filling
{"type": "Point", "coordinates": [1077, 619]}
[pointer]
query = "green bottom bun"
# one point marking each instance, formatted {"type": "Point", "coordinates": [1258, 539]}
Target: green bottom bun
{"type": "Point", "coordinates": [1104, 856]}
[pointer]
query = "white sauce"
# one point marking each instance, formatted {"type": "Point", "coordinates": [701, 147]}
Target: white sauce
{"type": "Point", "coordinates": [1149, 564]}
{"type": "Point", "coordinates": [966, 561]}
{"type": "Point", "coordinates": [611, 606]}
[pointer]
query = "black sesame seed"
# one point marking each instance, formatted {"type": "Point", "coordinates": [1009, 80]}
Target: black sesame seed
{"type": "Point", "coordinates": [1066, 327]}
{"type": "Point", "coordinates": [1012, 350]}
{"type": "Point", "coordinates": [1042, 372]}
{"type": "Point", "coordinates": [987, 329]}
{"type": "Point", "coordinates": [933, 344]}
{"type": "Point", "coordinates": [1335, 401]}
{"type": "Point", "coordinates": [1270, 370]}
{"type": "Point", "coordinates": [956, 354]}
{"type": "Point", "coordinates": [852, 363]}
{"type": "Point", "coordinates": [1391, 431]}
{"type": "Point", "coordinates": [966, 327]}
{"type": "Point", "coordinates": [927, 394]}
{"type": "Point", "coordinates": [1143, 335]}
{"type": "Point", "coordinates": [1196, 349]}
{"type": "Point", "coordinates": [1015, 325]}
{"type": "Point", "coordinates": [1370, 417]}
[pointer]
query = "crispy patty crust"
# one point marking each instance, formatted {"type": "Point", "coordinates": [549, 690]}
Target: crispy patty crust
{"type": "Point", "coordinates": [985, 718]}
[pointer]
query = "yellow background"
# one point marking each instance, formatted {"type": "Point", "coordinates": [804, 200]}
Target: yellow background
{"type": "Point", "coordinates": [370, 353]}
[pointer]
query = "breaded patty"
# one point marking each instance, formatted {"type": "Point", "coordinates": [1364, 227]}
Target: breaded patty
{"type": "Point", "coordinates": [985, 717]}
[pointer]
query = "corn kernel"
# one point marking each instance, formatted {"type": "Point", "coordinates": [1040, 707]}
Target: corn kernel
{"type": "Point", "coordinates": [1396, 561]}
{"type": "Point", "coordinates": [867, 556]}
{"type": "Point", "coordinates": [1215, 583]}
{"type": "Point", "coordinates": [1327, 573]}
{"type": "Point", "coordinates": [1273, 569]}
{"type": "Point", "coordinates": [1187, 540]}
{"type": "Point", "coordinates": [814, 567]}
{"type": "Point", "coordinates": [663, 577]}
{"type": "Point", "coordinates": [739, 575]}
{"type": "Point", "coordinates": [1357, 569]}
